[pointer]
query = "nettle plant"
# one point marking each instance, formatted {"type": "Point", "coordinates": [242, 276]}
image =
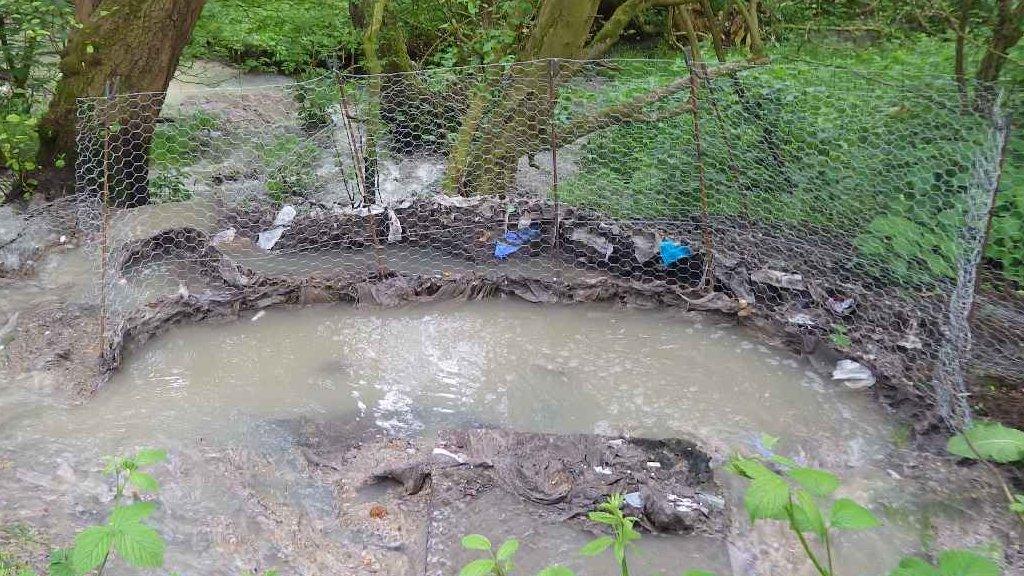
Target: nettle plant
{"type": "Point", "coordinates": [608, 513]}
{"type": "Point", "coordinates": [782, 490]}
{"type": "Point", "coordinates": [125, 533]}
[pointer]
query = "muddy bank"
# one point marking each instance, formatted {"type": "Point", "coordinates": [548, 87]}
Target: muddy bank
{"type": "Point", "coordinates": [415, 497]}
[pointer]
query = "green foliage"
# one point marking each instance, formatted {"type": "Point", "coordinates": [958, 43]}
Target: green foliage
{"type": "Point", "coordinates": [913, 252]}
{"type": "Point", "coordinates": [993, 442]}
{"type": "Point", "coordinates": [951, 563]}
{"type": "Point", "coordinates": [487, 32]}
{"type": "Point", "coordinates": [315, 94]}
{"type": "Point", "coordinates": [19, 142]}
{"type": "Point", "coordinates": [289, 165]}
{"type": "Point", "coordinates": [795, 494]}
{"type": "Point", "coordinates": [496, 564]}
{"type": "Point", "coordinates": [288, 36]}
{"type": "Point", "coordinates": [989, 441]}
{"type": "Point", "coordinates": [126, 471]}
{"type": "Point", "coordinates": [840, 337]}
{"type": "Point", "coordinates": [1006, 236]}
{"type": "Point", "coordinates": [182, 142]}
{"type": "Point", "coordinates": [168, 186]}
{"type": "Point", "coordinates": [609, 513]}
{"type": "Point", "coordinates": [31, 37]}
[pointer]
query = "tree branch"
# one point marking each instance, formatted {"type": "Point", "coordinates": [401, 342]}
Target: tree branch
{"type": "Point", "coordinates": [609, 34]}
{"type": "Point", "coordinates": [636, 109]}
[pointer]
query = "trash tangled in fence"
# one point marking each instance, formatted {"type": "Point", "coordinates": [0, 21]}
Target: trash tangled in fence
{"type": "Point", "coordinates": [845, 211]}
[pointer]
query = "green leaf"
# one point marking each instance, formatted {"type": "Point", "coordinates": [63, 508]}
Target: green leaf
{"type": "Point", "coordinates": [992, 440]}
{"type": "Point", "coordinates": [150, 456]}
{"type": "Point", "coordinates": [91, 547]}
{"type": "Point", "coordinates": [507, 549]}
{"type": "Point", "coordinates": [807, 515]}
{"type": "Point", "coordinates": [476, 542]}
{"type": "Point", "coordinates": [556, 571]}
{"type": "Point", "coordinates": [750, 468]}
{"type": "Point", "coordinates": [481, 567]}
{"type": "Point", "coordinates": [766, 497]}
{"type": "Point", "coordinates": [603, 518]}
{"type": "Point", "coordinates": [143, 481]}
{"type": "Point", "coordinates": [130, 514]}
{"type": "Point", "coordinates": [60, 562]}
{"type": "Point", "coordinates": [965, 563]}
{"type": "Point", "coordinates": [698, 573]}
{"type": "Point", "coordinates": [139, 545]}
{"type": "Point", "coordinates": [597, 546]}
{"type": "Point", "coordinates": [913, 566]}
{"type": "Point", "coordinates": [817, 482]}
{"type": "Point", "coordinates": [848, 515]}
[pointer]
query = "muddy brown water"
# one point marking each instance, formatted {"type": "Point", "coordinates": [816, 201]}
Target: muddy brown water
{"type": "Point", "coordinates": [210, 392]}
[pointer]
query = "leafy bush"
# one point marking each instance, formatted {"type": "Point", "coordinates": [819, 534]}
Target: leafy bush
{"type": "Point", "coordinates": [288, 162]}
{"type": "Point", "coordinates": [1006, 237]}
{"type": "Point", "coordinates": [288, 36]}
{"type": "Point", "coordinates": [182, 142]}
{"type": "Point", "coordinates": [19, 142]}
{"type": "Point", "coordinates": [316, 93]}
{"type": "Point", "coordinates": [168, 186]}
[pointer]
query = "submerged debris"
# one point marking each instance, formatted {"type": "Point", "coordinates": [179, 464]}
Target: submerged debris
{"type": "Point", "coordinates": [853, 375]}
{"type": "Point", "coordinates": [668, 483]}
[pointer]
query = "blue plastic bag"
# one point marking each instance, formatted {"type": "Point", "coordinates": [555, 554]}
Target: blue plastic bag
{"type": "Point", "coordinates": [672, 252]}
{"type": "Point", "coordinates": [514, 240]}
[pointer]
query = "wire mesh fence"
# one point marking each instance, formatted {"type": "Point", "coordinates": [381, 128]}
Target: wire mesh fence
{"type": "Point", "coordinates": [847, 210]}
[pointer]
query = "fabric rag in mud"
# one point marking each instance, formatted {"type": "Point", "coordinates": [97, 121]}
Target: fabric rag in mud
{"type": "Point", "coordinates": [855, 232]}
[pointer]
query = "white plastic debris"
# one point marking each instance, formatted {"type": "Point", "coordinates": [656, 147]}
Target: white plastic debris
{"type": "Point", "coordinates": [457, 201]}
{"type": "Point", "coordinates": [457, 457]}
{"type": "Point", "coordinates": [778, 279]}
{"type": "Point", "coordinates": [258, 315]}
{"type": "Point", "coordinates": [801, 319]}
{"type": "Point", "coordinates": [223, 237]}
{"type": "Point", "coordinates": [645, 247]}
{"type": "Point", "coordinates": [268, 238]}
{"type": "Point", "coordinates": [284, 216]}
{"type": "Point", "coordinates": [634, 500]}
{"type": "Point", "coordinates": [654, 464]}
{"type": "Point", "coordinates": [599, 243]}
{"type": "Point", "coordinates": [394, 227]}
{"type": "Point", "coordinates": [853, 374]}
{"type": "Point", "coordinates": [602, 470]}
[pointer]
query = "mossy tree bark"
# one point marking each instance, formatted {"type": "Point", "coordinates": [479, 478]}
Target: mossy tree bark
{"type": "Point", "coordinates": [133, 45]}
{"type": "Point", "coordinates": [1006, 33]}
{"type": "Point", "coordinates": [507, 113]}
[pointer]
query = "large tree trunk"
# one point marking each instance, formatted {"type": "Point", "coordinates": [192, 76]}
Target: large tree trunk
{"type": "Point", "coordinates": [506, 120]}
{"type": "Point", "coordinates": [131, 46]}
{"type": "Point", "coordinates": [1006, 33]}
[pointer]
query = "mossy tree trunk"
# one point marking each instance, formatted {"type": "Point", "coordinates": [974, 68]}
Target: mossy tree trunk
{"type": "Point", "coordinates": [134, 47]}
{"type": "Point", "coordinates": [1006, 33]}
